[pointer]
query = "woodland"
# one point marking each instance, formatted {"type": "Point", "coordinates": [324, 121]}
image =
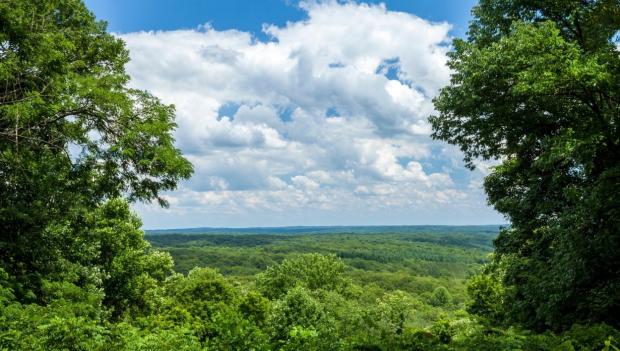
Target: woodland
{"type": "Point", "coordinates": [535, 86]}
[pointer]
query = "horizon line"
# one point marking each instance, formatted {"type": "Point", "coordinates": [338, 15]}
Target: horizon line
{"type": "Point", "coordinates": [334, 226]}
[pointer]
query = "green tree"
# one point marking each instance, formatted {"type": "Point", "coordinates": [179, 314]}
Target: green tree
{"type": "Point", "coordinates": [396, 309]}
{"type": "Point", "coordinates": [71, 320]}
{"type": "Point", "coordinates": [537, 86]}
{"type": "Point", "coordinates": [313, 271]}
{"type": "Point", "coordinates": [297, 320]}
{"type": "Point", "coordinates": [201, 291]}
{"type": "Point", "coordinates": [130, 269]}
{"type": "Point", "coordinates": [217, 312]}
{"type": "Point", "coordinates": [441, 297]}
{"type": "Point", "coordinates": [486, 296]}
{"type": "Point", "coordinates": [72, 134]}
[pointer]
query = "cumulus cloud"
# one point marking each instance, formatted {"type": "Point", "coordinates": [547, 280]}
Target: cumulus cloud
{"type": "Point", "coordinates": [329, 113]}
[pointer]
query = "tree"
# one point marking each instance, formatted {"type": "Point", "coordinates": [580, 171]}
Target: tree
{"type": "Point", "coordinates": [537, 86]}
{"type": "Point", "coordinates": [217, 312]}
{"type": "Point", "coordinates": [312, 271]}
{"type": "Point", "coordinates": [395, 309]}
{"type": "Point", "coordinates": [441, 297]}
{"type": "Point", "coordinates": [486, 293]}
{"type": "Point", "coordinates": [297, 321]}
{"type": "Point", "coordinates": [129, 268]}
{"type": "Point", "coordinates": [72, 134]}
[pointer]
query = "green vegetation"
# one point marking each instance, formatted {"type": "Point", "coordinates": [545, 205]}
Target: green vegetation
{"type": "Point", "coordinates": [535, 85]}
{"type": "Point", "coordinates": [65, 89]}
{"type": "Point", "coordinates": [410, 288]}
{"type": "Point", "coordinates": [341, 291]}
{"type": "Point", "coordinates": [417, 252]}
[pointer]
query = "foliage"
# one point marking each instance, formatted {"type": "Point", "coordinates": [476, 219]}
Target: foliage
{"type": "Point", "coordinates": [76, 272]}
{"type": "Point", "coordinates": [130, 269]}
{"type": "Point", "coordinates": [486, 294]}
{"type": "Point", "coordinates": [206, 310]}
{"type": "Point", "coordinates": [537, 86]}
{"type": "Point", "coordinates": [72, 134]}
{"type": "Point", "coordinates": [441, 297]}
{"type": "Point", "coordinates": [311, 271]}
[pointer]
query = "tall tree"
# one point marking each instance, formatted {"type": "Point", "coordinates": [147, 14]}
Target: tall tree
{"type": "Point", "coordinates": [72, 134]}
{"type": "Point", "coordinates": [536, 85]}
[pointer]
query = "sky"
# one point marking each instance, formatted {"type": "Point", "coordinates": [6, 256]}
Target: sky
{"type": "Point", "coordinates": [303, 113]}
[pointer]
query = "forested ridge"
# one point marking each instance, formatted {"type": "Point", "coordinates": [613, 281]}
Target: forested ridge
{"type": "Point", "coordinates": [535, 87]}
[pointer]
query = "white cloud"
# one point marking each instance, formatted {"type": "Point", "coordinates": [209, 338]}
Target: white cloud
{"type": "Point", "coordinates": [330, 114]}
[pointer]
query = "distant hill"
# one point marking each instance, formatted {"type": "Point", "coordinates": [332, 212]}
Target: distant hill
{"type": "Point", "coordinates": [404, 229]}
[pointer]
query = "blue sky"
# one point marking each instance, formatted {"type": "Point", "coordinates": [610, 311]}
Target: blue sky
{"type": "Point", "coordinates": [311, 113]}
{"type": "Point", "coordinates": [249, 15]}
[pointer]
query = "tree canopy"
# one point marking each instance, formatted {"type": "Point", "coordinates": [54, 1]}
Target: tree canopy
{"type": "Point", "coordinates": [536, 86]}
{"type": "Point", "coordinates": [72, 134]}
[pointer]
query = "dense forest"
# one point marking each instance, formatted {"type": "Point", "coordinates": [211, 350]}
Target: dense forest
{"type": "Point", "coordinates": [535, 86]}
